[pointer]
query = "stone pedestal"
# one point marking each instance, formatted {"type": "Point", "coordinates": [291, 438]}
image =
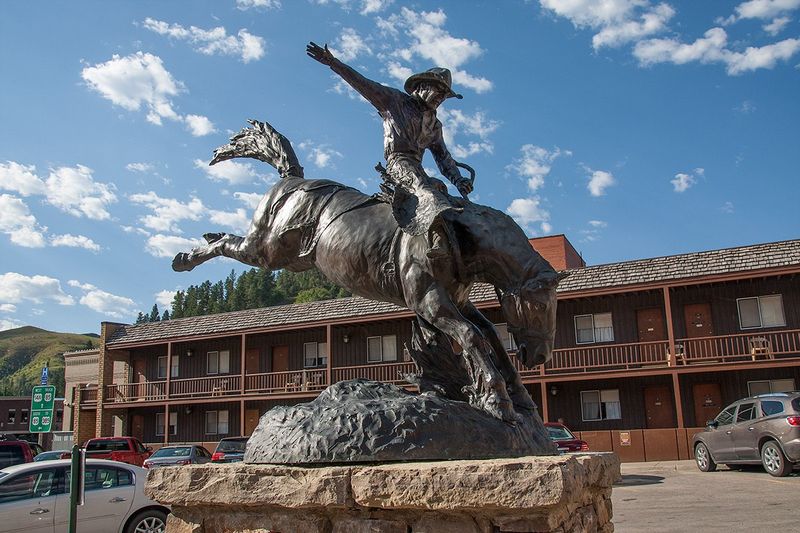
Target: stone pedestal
{"type": "Point", "coordinates": [569, 493]}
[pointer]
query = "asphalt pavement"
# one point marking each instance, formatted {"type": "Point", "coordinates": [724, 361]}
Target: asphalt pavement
{"type": "Point", "coordinates": [674, 496]}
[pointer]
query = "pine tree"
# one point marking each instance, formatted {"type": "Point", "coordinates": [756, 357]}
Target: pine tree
{"type": "Point", "coordinates": [177, 305]}
{"type": "Point", "coordinates": [165, 316]}
{"type": "Point", "coordinates": [141, 318]}
{"type": "Point", "coordinates": [155, 316]}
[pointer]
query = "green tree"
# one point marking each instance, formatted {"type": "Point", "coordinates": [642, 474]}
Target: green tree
{"type": "Point", "coordinates": [165, 316]}
{"type": "Point", "coordinates": [141, 318]}
{"type": "Point", "coordinates": [155, 316]}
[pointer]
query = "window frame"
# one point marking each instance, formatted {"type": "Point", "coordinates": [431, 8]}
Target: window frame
{"type": "Point", "coordinates": [732, 421]}
{"type": "Point", "coordinates": [594, 327]}
{"type": "Point", "coordinates": [753, 412]}
{"type": "Point", "coordinates": [511, 346]}
{"type": "Point", "coordinates": [384, 341]}
{"type": "Point", "coordinates": [771, 383]}
{"type": "Point", "coordinates": [760, 312]}
{"type": "Point", "coordinates": [11, 417]}
{"type": "Point", "coordinates": [219, 358]}
{"type": "Point", "coordinates": [217, 429]}
{"type": "Point", "coordinates": [321, 357]}
{"type": "Point", "coordinates": [173, 427]}
{"type": "Point", "coordinates": [602, 410]}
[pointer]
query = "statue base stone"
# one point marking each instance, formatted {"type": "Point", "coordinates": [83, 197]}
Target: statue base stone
{"type": "Point", "coordinates": [567, 493]}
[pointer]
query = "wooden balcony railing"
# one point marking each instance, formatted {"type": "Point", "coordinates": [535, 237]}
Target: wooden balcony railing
{"type": "Point", "coordinates": [292, 381]}
{"type": "Point", "coordinates": [88, 395]}
{"type": "Point", "coordinates": [224, 385]}
{"type": "Point", "coordinates": [748, 346]}
{"type": "Point", "coordinates": [607, 356]}
{"type": "Point", "coordinates": [385, 372]}
{"type": "Point", "coordinates": [135, 392]}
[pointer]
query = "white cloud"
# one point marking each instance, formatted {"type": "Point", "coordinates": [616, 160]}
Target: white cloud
{"type": "Point", "coordinates": [169, 245]}
{"type": "Point", "coordinates": [19, 224]}
{"type": "Point", "coordinates": [21, 179]}
{"type": "Point", "coordinates": [74, 191]}
{"type": "Point", "coordinates": [599, 181]}
{"type": "Point", "coordinates": [214, 41]}
{"type": "Point", "coordinates": [164, 299]}
{"type": "Point", "coordinates": [712, 48]}
{"type": "Point", "coordinates": [249, 199]}
{"type": "Point", "coordinates": [616, 21]}
{"type": "Point", "coordinates": [682, 182]}
{"type": "Point", "coordinates": [230, 171]}
{"type": "Point", "coordinates": [763, 9]}
{"type": "Point", "coordinates": [8, 308]}
{"type": "Point", "coordinates": [727, 207]}
{"type": "Point", "coordinates": [8, 323]}
{"type": "Point", "coordinates": [529, 211]}
{"type": "Point", "coordinates": [251, 4]}
{"type": "Point", "coordinates": [349, 45]}
{"type": "Point", "coordinates": [434, 44]}
{"type": "Point", "coordinates": [139, 167]}
{"type": "Point", "coordinates": [535, 163]}
{"type": "Point", "coordinates": [320, 155]}
{"type": "Point", "coordinates": [134, 81]}
{"type": "Point", "coordinates": [239, 220]}
{"type": "Point", "coordinates": [455, 122]}
{"type": "Point", "coordinates": [777, 25]}
{"type": "Point", "coordinates": [598, 223]}
{"type": "Point", "coordinates": [745, 108]}
{"type": "Point", "coordinates": [365, 7]}
{"type": "Point", "coordinates": [16, 288]}
{"type": "Point", "coordinates": [167, 212]}
{"type": "Point", "coordinates": [74, 241]}
{"type": "Point", "coordinates": [104, 302]}
{"type": "Point", "coordinates": [199, 125]}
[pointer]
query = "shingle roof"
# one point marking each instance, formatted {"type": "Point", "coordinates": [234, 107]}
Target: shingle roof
{"type": "Point", "coordinates": [622, 274]}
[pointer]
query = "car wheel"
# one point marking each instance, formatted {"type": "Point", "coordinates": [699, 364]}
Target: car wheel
{"type": "Point", "coordinates": [774, 461]}
{"type": "Point", "coordinates": [703, 458]}
{"type": "Point", "coordinates": [151, 521]}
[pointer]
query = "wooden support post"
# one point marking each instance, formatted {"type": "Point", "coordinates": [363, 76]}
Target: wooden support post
{"type": "Point", "coordinates": [169, 372]}
{"type": "Point", "coordinates": [544, 411]}
{"type": "Point", "coordinates": [166, 422]}
{"type": "Point", "coordinates": [243, 363]}
{"type": "Point", "coordinates": [241, 417]}
{"type": "Point", "coordinates": [671, 356]}
{"type": "Point", "coordinates": [676, 389]}
{"type": "Point", "coordinates": [329, 359]}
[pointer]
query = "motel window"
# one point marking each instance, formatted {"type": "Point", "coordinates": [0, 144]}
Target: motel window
{"type": "Point", "coordinates": [505, 337]}
{"type": "Point", "coordinates": [218, 362]}
{"type": "Point", "coordinates": [12, 416]}
{"type": "Point", "coordinates": [770, 385]}
{"type": "Point", "coordinates": [162, 366]}
{"type": "Point", "coordinates": [600, 405]}
{"type": "Point", "coordinates": [173, 423]}
{"type": "Point", "coordinates": [216, 422]}
{"type": "Point", "coordinates": [315, 354]}
{"type": "Point", "coordinates": [381, 349]}
{"type": "Point", "coordinates": [593, 328]}
{"type": "Point", "coordinates": [761, 312]}
{"type": "Point", "coordinates": [23, 416]}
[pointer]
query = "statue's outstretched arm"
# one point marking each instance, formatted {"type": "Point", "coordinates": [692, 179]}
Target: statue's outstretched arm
{"type": "Point", "coordinates": [377, 94]}
{"type": "Point", "coordinates": [447, 165]}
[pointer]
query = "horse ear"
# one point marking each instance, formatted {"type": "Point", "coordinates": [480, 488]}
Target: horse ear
{"type": "Point", "coordinates": [564, 274]}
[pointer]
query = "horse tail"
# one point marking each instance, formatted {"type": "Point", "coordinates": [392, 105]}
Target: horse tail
{"type": "Point", "coordinates": [265, 143]}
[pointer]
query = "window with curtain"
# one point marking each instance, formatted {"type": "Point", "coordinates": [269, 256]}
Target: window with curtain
{"type": "Point", "coordinates": [382, 348]}
{"type": "Point", "coordinates": [761, 312]}
{"type": "Point", "coordinates": [218, 362]}
{"type": "Point", "coordinates": [600, 405]}
{"type": "Point", "coordinates": [594, 328]}
{"type": "Point", "coordinates": [315, 354]}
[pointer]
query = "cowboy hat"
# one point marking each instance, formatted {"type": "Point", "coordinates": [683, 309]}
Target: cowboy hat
{"type": "Point", "coordinates": [438, 75]}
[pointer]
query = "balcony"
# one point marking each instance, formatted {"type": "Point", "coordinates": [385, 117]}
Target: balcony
{"type": "Point", "coordinates": [88, 396]}
{"type": "Point", "coordinates": [581, 360]}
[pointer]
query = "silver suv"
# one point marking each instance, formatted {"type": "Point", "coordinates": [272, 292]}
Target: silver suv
{"type": "Point", "coordinates": [761, 429]}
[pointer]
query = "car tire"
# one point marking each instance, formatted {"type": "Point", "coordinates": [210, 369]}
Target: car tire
{"type": "Point", "coordinates": [774, 461]}
{"type": "Point", "coordinates": [703, 458]}
{"type": "Point", "coordinates": [151, 521]}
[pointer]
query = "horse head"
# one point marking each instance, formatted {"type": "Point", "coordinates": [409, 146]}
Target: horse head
{"type": "Point", "coordinates": [530, 313]}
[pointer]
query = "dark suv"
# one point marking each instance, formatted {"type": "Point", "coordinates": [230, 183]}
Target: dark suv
{"type": "Point", "coordinates": [761, 429]}
{"type": "Point", "coordinates": [15, 452]}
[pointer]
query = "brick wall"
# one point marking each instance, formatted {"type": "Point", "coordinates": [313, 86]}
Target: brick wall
{"type": "Point", "coordinates": [558, 251]}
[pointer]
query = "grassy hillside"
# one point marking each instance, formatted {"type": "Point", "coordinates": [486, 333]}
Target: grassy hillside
{"type": "Point", "coordinates": [24, 351]}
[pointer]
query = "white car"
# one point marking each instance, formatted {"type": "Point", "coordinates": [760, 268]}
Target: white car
{"type": "Point", "coordinates": [34, 498]}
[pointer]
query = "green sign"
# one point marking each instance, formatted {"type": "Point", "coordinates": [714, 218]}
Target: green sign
{"type": "Point", "coordinates": [43, 400]}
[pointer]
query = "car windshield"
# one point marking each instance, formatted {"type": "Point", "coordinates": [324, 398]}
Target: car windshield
{"type": "Point", "coordinates": [559, 433]}
{"type": "Point", "coordinates": [232, 446]}
{"type": "Point", "coordinates": [185, 451]}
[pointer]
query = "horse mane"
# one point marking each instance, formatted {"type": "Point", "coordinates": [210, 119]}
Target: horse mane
{"type": "Point", "coordinates": [265, 143]}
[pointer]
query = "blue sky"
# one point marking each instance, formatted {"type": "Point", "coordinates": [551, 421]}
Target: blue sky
{"type": "Point", "coordinates": [634, 127]}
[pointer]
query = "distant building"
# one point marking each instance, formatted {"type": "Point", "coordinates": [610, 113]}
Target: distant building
{"type": "Point", "coordinates": [15, 417]}
{"type": "Point", "coordinates": [646, 352]}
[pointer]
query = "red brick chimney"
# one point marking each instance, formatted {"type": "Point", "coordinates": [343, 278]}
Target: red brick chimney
{"type": "Point", "coordinates": [558, 251]}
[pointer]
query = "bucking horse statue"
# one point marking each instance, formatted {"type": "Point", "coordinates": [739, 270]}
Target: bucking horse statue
{"type": "Point", "coordinates": [354, 240]}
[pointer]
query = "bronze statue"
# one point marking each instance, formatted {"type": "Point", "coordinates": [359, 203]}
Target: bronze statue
{"type": "Point", "coordinates": [410, 127]}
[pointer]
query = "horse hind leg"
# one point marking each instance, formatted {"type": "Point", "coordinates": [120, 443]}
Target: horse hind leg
{"type": "Point", "coordinates": [218, 244]}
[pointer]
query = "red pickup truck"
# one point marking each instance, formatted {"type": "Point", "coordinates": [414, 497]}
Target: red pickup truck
{"type": "Point", "coordinates": [123, 449]}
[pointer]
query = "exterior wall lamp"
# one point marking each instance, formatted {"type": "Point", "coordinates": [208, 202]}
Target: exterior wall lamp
{"type": "Point", "coordinates": [188, 410]}
{"type": "Point", "coordinates": [345, 338]}
{"type": "Point", "coordinates": [189, 352]}
{"type": "Point", "coordinates": [553, 390]}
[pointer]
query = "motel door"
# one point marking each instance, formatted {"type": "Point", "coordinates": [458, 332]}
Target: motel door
{"type": "Point", "coordinates": [698, 320]}
{"type": "Point", "coordinates": [140, 376]}
{"type": "Point", "coordinates": [658, 406]}
{"type": "Point", "coordinates": [707, 402]}
{"type": "Point", "coordinates": [280, 358]}
{"type": "Point", "coordinates": [137, 427]}
{"type": "Point", "coordinates": [250, 421]}
{"type": "Point", "coordinates": [252, 364]}
{"type": "Point", "coordinates": [651, 324]}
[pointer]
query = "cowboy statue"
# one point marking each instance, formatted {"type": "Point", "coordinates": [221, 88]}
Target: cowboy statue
{"type": "Point", "coordinates": [410, 127]}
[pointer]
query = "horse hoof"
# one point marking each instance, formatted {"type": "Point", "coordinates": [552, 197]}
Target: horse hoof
{"type": "Point", "coordinates": [181, 263]}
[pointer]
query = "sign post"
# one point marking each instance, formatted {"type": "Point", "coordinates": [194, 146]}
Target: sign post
{"type": "Point", "coordinates": [43, 399]}
{"type": "Point", "coordinates": [76, 485]}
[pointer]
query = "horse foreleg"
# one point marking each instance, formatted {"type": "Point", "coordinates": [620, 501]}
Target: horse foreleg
{"type": "Point", "coordinates": [517, 391]}
{"type": "Point", "coordinates": [219, 244]}
{"type": "Point", "coordinates": [488, 388]}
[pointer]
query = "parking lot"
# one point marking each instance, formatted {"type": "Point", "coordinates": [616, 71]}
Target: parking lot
{"type": "Point", "coordinates": [676, 497]}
